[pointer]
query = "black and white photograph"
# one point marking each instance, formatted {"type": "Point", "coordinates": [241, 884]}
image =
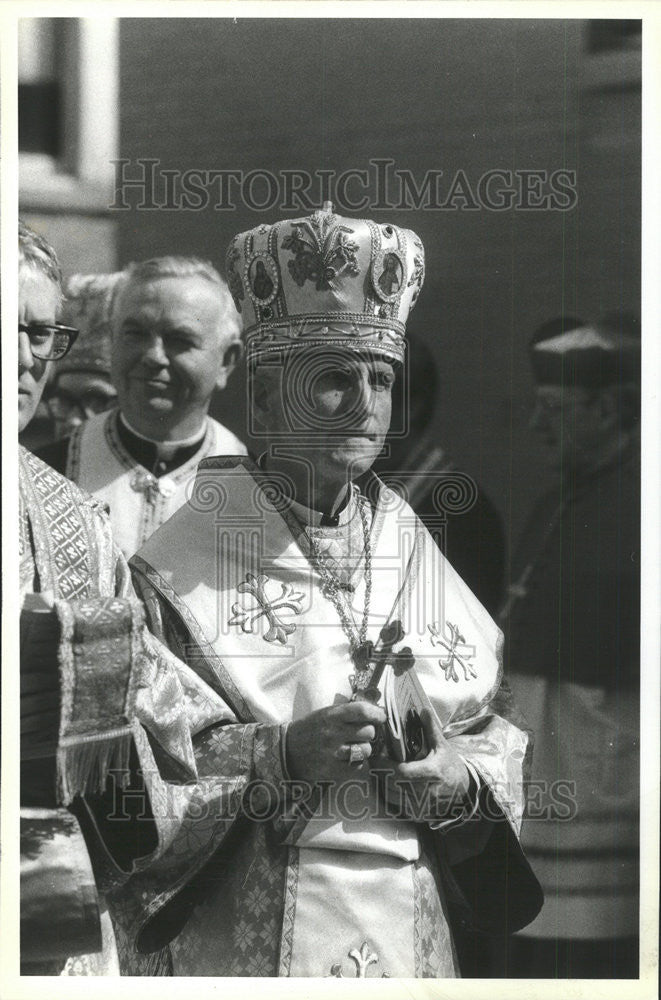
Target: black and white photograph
{"type": "Point", "coordinates": [324, 562]}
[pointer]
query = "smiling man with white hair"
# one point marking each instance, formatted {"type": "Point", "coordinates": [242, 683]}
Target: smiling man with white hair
{"type": "Point", "coordinates": [176, 339]}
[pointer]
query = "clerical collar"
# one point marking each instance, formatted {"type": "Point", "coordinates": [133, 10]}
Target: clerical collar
{"type": "Point", "coordinates": [316, 518]}
{"type": "Point", "coordinates": [166, 449]}
{"type": "Point", "coordinates": [151, 455]}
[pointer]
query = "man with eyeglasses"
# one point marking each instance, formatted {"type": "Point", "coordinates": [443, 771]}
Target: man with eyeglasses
{"type": "Point", "coordinates": [87, 667]}
{"type": "Point", "coordinates": [571, 623]}
{"type": "Point", "coordinates": [174, 339]}
{"type": "Point", "coordinates": [39, 342]}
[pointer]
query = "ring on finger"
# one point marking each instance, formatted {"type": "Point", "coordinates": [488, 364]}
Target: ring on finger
{"type": "Point", "coordinates": [356, 755]}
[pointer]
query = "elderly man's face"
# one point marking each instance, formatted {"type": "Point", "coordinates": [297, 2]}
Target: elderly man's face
{"type": "Point", "coordinates": [573, 424]}
{"type": "Point", "coordinates": [337, 406]}
{"type": "Point", "coordinates": [168, 353]}
{"type": "Point", "coordinates": [38, 302]}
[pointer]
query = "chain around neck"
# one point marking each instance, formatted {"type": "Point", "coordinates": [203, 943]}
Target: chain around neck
{"type": "Point", "coordinates": [331, 585]}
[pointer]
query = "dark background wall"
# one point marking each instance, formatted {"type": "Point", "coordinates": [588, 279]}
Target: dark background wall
{"type": "Point", "coordinates": [429, 94]}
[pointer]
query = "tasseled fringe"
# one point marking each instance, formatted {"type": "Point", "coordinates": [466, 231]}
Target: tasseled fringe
{"type": "Point", "coordinates": [159, 963]}
{"type": "Point", "coordinates": [83, 765]}
{"type": "Point", "coordinates": [83, 761]}
{"type": "Point", "coordinates": [65, 656]}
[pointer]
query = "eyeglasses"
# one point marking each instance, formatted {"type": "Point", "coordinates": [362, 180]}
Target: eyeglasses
{"type": "Point", "coordinates": [64, 405]}
{"type": "Point", "coordinates": [49, 341]}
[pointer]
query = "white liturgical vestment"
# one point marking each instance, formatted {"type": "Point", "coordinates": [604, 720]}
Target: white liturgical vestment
{"type": "Point", "coordinates": [348, 887]}
{"type": "Point", "coordinates": [139, 502]}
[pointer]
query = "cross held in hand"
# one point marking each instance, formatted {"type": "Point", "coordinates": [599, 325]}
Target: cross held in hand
{"type": "Point", "coordinates": [378, 655]}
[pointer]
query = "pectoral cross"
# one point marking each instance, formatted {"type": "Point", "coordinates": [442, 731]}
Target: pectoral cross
{"type": "Point", "coordinates": [365, 682]}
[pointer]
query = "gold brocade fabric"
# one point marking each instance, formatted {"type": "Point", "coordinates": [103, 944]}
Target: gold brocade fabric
{"type": "Point", "coordinates": [66, 549]}
{"type": "Point", "coordinates": [106, 660]}
{"type": "Point", "coordinates": [66, 535]}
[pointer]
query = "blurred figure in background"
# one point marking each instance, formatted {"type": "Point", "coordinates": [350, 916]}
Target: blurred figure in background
{"type": "Point", "coordinates": [462, 520]}
{"type": "Point", "coordinates": [175, 340]}
{"type": "Point", "coordinates": [81, 386]}
{"type": "Point", "coordinates": [571, 623]}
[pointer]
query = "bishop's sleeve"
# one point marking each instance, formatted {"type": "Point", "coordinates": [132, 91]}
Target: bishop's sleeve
{"type": "Point", "coordinates": [197, 816]}
{"type": "Point", "coordinates": [488, 880]}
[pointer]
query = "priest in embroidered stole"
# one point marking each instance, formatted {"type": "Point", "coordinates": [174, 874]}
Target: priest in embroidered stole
{"type": "Point", "coordinates": [87, 668]}
{"type": "Point", "coordinates": [173, 338]}
{"type": "Point", "coordinates": [288, 586]}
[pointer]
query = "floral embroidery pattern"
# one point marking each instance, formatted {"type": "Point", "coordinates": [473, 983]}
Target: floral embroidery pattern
{"type": "Point", "coordinates": [417, 270]}
{"type": "Point", "coordinates": [248, 936]}
{"type": "Point", "coordinates": [322, 251]}
{"type": "Point", "coordinates": [453, 656]}
{"type": "Point", "coordinates": [257, 901]}
{"type": "Point", "coordinates": [256, 604]}
{"type": "Point", "coordinates": [418, 275]}
{"type": "Point", "coordinates": [432, 939]}
{"type": "Point", "coordinates": [363, 959]}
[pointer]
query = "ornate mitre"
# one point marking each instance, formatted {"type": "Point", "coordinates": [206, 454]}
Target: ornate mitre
{"type": "Point", "coordinates": [87, 306]}
{"type": "Point", "coordinates": [325, 280]}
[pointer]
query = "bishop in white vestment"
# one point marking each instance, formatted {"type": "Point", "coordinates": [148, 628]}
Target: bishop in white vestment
{"type": "Point", "coordinates": [286, 587]}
